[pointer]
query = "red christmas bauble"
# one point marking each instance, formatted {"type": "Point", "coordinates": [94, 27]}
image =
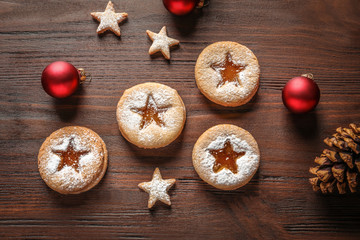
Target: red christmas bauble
{"type": "Point", "coordinates": [180, 7]}
{"type": "Point", "coordinates": [60, 79]}
{"type": "Point", "coordinates": [301, 94]}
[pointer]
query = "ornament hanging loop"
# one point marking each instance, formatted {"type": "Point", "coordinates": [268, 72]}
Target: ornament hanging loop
{"type": "Point", "coordinates": [84, 75]}
{"type": "Point", "coordinates": [308, 75]}
{"type": "Point", "coordinates": [202, 3]}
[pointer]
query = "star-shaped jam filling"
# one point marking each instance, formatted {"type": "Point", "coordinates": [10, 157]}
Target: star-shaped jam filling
{"type": "Point", "coordinates": [151, 112]}
{"type": "Point", "coordinates": [69, 157]}
{"type": "Point", "coordinates": [226, 157]}
{"type": "Point", "coordinates": [228, 70]}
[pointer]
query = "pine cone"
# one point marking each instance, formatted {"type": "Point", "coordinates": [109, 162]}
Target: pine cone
{"type": "Point", "coordinates": [338, 169]}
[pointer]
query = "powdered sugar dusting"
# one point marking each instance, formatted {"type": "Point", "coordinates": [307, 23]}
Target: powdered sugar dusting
{"type": "Point", "coordinates": [247, 164]}
{"type": "Point", "coordinates": [53, 163]}
{"type": "Point", "coordinates": [208, 79]}
{"type": "Point", "coordinates": [137, 99]}
{"type": "Point", "coordinates": [109, 19]}
{"type": "Point", "coordinates": [164, 97]}
{"type": "Point", "coordinates": [161, 42]}
{"type": "Point", "coordinates": [157, 188]}
{"type": "Point", "coordinates": [90, 163]}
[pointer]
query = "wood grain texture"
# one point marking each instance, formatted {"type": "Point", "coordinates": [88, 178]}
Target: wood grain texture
{"type": "Point", "coordinates": [289, 37]}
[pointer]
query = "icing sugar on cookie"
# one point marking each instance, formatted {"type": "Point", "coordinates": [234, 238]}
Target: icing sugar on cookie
{"type": "Point", "coordinates": [226, 156]}
{"type": "Point", "coordinates": [161, 42]}
{"type": "Point", "coordinates": [109, 19]}
{"type": "Point", "coordinates": [151, 115]}
{"type": "Point", "coordinates": [227, 73]}
{"type": "Point", "coordinates": [72, 160]}
{"type": "Point", "coordinates": [157, 188]}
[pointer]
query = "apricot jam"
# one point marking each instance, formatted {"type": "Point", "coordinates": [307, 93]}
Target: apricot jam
{"type": "Point", "coordinates": [228, 70]}
{"type": "Point", "coordinates": [226, 158]}
{"type": "Point", "coordinates": [69, 157]}
{"type": "Point", "coordinates": [150, 112]}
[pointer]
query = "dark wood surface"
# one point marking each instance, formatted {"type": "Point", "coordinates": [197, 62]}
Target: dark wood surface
{"type": "Point", "coordinates": [289, 37]}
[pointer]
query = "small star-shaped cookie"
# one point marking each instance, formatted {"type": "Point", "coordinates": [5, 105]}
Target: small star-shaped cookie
{"type": "Point", "coordinates": [161, 42]}
{"type": "Point", "coordinates": [157, 188]}
{"type": "Point", "coordinates": [109, 20]}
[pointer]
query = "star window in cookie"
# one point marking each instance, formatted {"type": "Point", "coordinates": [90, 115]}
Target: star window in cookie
{"type": "Point", "coordinates": [226, 158]}
{"type": "Point", "coordinates": [228, 70]}
{"type": "Point", "coordinates": [151, 112]}
{"type": "Point", "coordinates": [161, 42]}
{"type": "Point", "coordinates": [109, 20]}
{"type": "Point", "coordinates": [157, 188]}
{"type": "Point", "coordinates": [69, 157]}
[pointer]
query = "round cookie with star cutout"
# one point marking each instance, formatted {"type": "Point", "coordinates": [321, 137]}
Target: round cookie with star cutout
{"type": "Point", "coordinates": [226, 156]}
{"type": "Point", "coordinates": [72, 160]}
{"type": "Point", "coordinates": [150, 115]}
{"type": "Point", "coordinates": [227, 73]}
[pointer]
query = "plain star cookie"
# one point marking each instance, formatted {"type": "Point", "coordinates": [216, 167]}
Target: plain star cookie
{"type": "Point", "coordinates": [150, 115]}
{"type": "Point", "coordinates": [157, 188]}
{"type": "Point", "coordinates": [226, 156]}
{"type": "Point", "coordinates": [109, 20]}
{"type": "Point", "coordinates": [72, 160]}
{"type": "Point", "coordinates": [227, 73]}
{"type": "Point", "coordinates": [161, 42]}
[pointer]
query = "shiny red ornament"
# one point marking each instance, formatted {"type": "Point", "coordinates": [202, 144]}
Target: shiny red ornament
{"type": "Point", "coordinates": [180, 7]}
{"type": "Point", "coordinates": [301, 94]}
{"type": "Point", "coordinates": [61, 79]}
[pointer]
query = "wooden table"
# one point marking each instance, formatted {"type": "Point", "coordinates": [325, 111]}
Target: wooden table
{"type": "Point", "coordinates": [289, 38]}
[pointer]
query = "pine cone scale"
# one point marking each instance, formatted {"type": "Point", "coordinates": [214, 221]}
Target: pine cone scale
{"type": "Point", "coordinates": [338, 171]}
{"type": "Point", "coordinates": [338, 167]}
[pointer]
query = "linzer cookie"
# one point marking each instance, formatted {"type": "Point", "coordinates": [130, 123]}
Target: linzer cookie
{"type": "Point", "coordinates": [227, 73]}
{"type": "Point", "coordinates": [151, 115]}
{"type": "Point", "coordinates": [72, 160]}
{"type": "Point", "coordinates": [226, 156]}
